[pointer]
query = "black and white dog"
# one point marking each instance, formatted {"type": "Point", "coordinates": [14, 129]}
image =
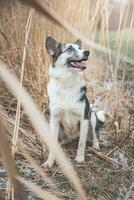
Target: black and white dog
{"type": "Point", "coordinates": [70, 111]}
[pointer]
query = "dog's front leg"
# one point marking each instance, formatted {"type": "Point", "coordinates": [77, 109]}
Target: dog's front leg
{"type": "Point", "coordinates": [54, 130]}
{"type": "Point", "coordinates": [84, 126]}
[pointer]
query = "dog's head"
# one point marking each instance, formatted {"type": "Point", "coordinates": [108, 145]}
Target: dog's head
{"type": "Point", "coordinates": [67, 55]}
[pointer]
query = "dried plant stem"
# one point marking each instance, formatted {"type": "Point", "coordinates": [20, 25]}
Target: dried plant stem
{"type": "Point", "coordinates": [37, 190]}
{"type": "Point", "coordinates": [130, 193]}
{"type": "Point", "coordinates": [101, 155]}
{"type": "Point", "coordinates": [12, 122]}
{"type": "Point", "coordinates": [43, 129]}
{"type": "Point", "coordinates": [107, 16]}
{"type": "Point", "coordinates": [45, 9]}
{"type": "Point", "coordinates": [129, 30]}
{"type": "Point", "coordinates": [120, 39]}
{"type": "Point", "coordinates": [17, 117]}
{"type": "Point", "coordinates": [39, 170]}
{"type": "Point", "coordinates": [127, 42]}
{"type": "Point", "coordinates": [9, 163]}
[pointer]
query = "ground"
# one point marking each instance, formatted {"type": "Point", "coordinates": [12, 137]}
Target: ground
{"type": "Point", "coordinates": [105, 175]}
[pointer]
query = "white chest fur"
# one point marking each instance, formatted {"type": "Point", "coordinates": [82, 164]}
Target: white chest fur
{"type": "Point", "coordinates": [64, 94]}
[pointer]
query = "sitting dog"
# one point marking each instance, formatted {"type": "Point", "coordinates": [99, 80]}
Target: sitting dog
{"type": "Point", "coordinates": [70, 111]}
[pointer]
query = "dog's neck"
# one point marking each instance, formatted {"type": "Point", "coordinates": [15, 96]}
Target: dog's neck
{"type": "Point", "coordinates": [64, 75]}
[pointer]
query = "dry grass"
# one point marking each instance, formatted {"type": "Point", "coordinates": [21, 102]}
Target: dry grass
{"type": "Point", "coordinates": [105, 175]}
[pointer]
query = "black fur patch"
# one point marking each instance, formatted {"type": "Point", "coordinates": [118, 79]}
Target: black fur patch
{"type": "Point", "coordinates": [99, 123]}
{"type": "Point", "coordinates": [82, 93]}
{"type": "Point", "coordinates": [57, 53]}
{"type": "Point", "coordinates": [87, 112]}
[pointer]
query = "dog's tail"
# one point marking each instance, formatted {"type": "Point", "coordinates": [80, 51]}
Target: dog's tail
{"type": "Point", "coordinates": [101, 115]}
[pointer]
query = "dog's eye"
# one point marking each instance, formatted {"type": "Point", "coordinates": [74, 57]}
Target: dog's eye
{"type": "Point", "coordinates": [70, 49]}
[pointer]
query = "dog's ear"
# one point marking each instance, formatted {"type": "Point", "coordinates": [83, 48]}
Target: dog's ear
{"type": "Point", "coordinates": [79, 43]}
{"type": "Point", "coordinates": [51, 45]}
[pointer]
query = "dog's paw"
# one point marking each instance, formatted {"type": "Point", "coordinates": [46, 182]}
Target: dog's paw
{"type": "Point", "coordinates": [48, 163]}
{"type": "Point", "coordinates": [96, 146]}
{"type": "Point", "coordinates": [79, 158]}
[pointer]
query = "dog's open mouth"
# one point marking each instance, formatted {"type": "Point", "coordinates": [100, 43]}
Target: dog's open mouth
{"type": "Point", "coordinates": [79, 64]}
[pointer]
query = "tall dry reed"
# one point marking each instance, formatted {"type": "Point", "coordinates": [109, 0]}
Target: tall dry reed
{"type": "Point", "coordinates": [22, 49]}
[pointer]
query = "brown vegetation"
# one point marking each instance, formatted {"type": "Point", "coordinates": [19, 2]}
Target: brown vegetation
{"type": "Point", "coordinates": [105, 175]}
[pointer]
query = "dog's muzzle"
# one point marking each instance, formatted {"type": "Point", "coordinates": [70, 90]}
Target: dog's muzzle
{"type": "Point", "coordinates": [79, 64]}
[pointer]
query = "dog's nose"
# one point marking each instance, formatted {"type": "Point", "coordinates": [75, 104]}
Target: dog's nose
{"type": "Point", "coordinates": [86, 53]}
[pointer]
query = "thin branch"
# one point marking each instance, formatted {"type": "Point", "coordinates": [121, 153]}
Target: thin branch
{"type": "Point", "coordinates": [17, 117]}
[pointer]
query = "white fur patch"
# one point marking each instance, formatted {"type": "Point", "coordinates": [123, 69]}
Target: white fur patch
{"type": "Point", "coordinates": [101, 115]}
{"type": "Point", "coordinates": [93, 120]}
{"type": "Point", "coordinates": [64, 93]}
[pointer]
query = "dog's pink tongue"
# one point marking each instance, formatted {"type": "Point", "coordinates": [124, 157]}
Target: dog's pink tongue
{"type": "Point", "coordinates": [78, 64]}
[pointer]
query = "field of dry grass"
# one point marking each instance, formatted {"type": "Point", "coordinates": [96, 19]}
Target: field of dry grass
{"type": "Point", "coordinates": [106, 175]}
